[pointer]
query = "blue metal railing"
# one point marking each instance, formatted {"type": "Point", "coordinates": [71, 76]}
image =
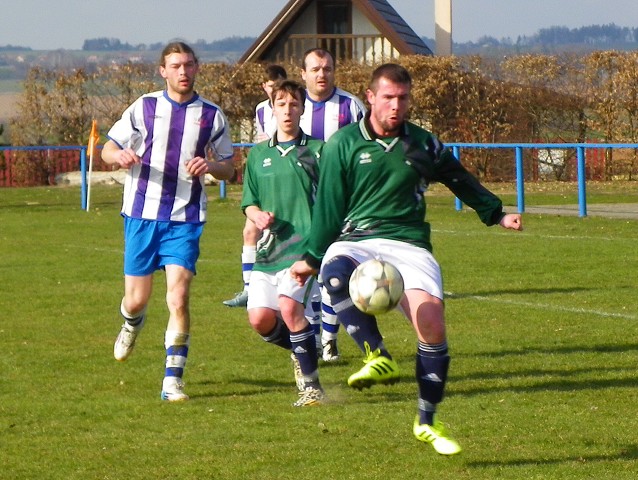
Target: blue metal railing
{"type": "Point", "coordinates": [520, 174]}
{"type": "Point", "coordinates": [456, 148]}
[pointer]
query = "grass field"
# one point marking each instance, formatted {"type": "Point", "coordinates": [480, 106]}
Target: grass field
{"type": "Point", "coordinates": [543, 331]}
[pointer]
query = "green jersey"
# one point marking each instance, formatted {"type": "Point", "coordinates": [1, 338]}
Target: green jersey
{"type": "Point", "coordinates": [282, 178]}
{"type": "Point", "coordinates": [374, 187]}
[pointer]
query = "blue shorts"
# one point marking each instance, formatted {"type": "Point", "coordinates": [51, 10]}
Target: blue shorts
{"type": "Point", "coordinates": [150, 245]}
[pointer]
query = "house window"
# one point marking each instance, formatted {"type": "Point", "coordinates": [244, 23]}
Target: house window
{"type": "Point", "coordinates": [334, 18]}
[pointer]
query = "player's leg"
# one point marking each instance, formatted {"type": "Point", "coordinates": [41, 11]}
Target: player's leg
{"type": "Point", "coordinates": [263, 310]}
{"type": "Point", "coordinates": [432, 363]}
{"type": "Point", "coordinates": [304, 348]}
{"type": "Point", "coordinates": [302, 337]}
{"type": "Point", "coordinates": [140, 262]}
{"type": "Point", "coordinates": [313, 314]}
{"type": "Point", "coordinates": [178, 253]}
{"type": "Point", "coordinates": [363, 328]}
{"type": "Point", "coordinates": [250, 235]}
{"type": "Point", "coordinates": [422, 304]}
{"type": "Point", "coordinates": [264, 317]}
{"type": "Point", "coordinates": [137, 291]}
{"type": "Point", "coordinates": [329, 329]}
{"type": "Point", "coordinates": [177, 336]}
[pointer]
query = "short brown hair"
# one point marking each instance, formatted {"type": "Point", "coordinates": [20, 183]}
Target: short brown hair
{"type": "Point", "coordinates": [275, 72]}
{"type": "Point", "coordinates": [176, 47]}
{"type": "Point", "coordinates": [390, 71]}
{"type": "Point", "coordinates": [321, 53]}
{"type": "Point", "coordinates": [291, 87]}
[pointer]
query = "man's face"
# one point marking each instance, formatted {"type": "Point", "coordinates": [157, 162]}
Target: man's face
{"type": "Point", "coordinates": [287, 109]}
{"type": "Point", "coordinates": [267, 86]}
{"type": "Point", "coordinates": [388, 106]}
{"type": "Point", "coordinates": [179, 71]}
{"type": "Point", "coordinates": [319, 76]}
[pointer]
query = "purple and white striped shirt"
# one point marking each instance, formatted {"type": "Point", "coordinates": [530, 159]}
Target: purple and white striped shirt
{"type": "Point", "coordinates": [165, 135]}
{"type": "Point", "coordinates": [265, 122]}
{"type": "Point", "coordinates": [322, 119]}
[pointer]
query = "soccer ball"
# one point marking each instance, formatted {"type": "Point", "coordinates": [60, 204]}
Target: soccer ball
{"type": "Point", "coordinates": [375, 287]}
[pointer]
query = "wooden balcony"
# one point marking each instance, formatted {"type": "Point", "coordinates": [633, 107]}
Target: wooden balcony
{"type": "Point", "coordinates": [369, 49]}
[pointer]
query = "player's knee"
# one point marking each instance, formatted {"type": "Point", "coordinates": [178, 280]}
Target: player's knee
{"type": "Point", "coordinates": [336, 273]}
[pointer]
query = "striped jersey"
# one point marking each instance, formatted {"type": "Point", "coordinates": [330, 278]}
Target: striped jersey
{"type": "Point", "coordinates": [165, 135]}
{"type": "Point", "coordinates": [265, 122]}
{"type": "Point", "coordinates": [322, 119]}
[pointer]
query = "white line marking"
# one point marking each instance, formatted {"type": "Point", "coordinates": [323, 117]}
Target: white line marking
{"type": "Point", "coordinates": [545, 306]}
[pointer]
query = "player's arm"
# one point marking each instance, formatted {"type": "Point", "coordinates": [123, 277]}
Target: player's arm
{"type": "Point", "coordinates": [113, 154]}
{"type": "Point", "coordinates": [220, 159]}
{"type": "Point", "coordinates": [260, 218]}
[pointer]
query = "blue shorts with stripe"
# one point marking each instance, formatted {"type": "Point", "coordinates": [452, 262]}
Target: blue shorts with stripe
{"type": "Point", "coordinates": [150, 245]}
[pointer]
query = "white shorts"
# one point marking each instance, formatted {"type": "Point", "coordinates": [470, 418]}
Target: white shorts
{"type": "Point", "coordinates": [265, 288]}
{"type": "Point", "coordinates": [417, 265]}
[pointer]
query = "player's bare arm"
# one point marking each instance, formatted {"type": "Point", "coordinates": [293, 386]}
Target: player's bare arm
{"type": "Point", "coordinates": [512, 221]}
{"type": "Point", "coordinates": [221, 170]}
{"type": "Point", "coordinates": [300, 271]}
{"type": "Point", "coordinates": [114, 155]}
{"type": "Point", "coordinates": [259, 217]}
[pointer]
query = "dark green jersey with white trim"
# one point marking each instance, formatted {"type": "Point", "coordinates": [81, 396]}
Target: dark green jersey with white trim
{"type": "Point", "coordinates": [281, 178]}
{"type": "Point", "coordinates": [373, 187]}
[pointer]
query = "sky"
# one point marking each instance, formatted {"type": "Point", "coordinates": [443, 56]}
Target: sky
{"type": "Point", "coordinates": [42, 25]}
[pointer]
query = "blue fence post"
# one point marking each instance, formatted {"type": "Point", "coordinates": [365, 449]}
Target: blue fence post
{"type": "Point", "coordinates": [222, 189]}
{"type": "Point", "coordinates": [83, 176]}
{"type": "Point", "coordinates": [520, 180]}
{"type": "Point", "coordinates": [457, 153]}
{"type": "Point", "coordinates": [582, 178]}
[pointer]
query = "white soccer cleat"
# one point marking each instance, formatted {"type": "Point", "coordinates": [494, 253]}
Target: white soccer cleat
{"type": "Point", "coordinates": [125, 340]}
{"type": "Point", "coordinates": [329, 351]}
{"type": "Point", "coordinates": [174, 392]}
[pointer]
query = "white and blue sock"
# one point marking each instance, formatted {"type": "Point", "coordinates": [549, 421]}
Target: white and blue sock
{"type": "Point", "coordinates": [176, 344]}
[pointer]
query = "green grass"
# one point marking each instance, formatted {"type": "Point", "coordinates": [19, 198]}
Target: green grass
{"type": "Point", "coordinates": [543, 329]}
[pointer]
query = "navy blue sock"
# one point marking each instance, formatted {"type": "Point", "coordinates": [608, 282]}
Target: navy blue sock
{"type": "Point", "coordinates": [432, 363]}
{"type": "Point", "coordinates": [305, 349]}
{"type": "Point", "coordinates": [280, 335]}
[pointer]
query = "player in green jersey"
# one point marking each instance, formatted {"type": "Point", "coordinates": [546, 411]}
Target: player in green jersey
{"type": "Point", "coordinates": [370, 204]}
{"type": "Point", "coordinates": [278, 194]}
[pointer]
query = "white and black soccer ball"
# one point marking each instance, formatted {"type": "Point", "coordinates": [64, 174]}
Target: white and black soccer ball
{"type": "Point", "coordinates": [376, 287]}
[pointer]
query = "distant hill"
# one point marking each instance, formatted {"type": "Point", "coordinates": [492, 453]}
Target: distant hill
{"type": "Point", "coordinates": [15, 61]}
{"type": "Point", "coordinates": [556, 39]}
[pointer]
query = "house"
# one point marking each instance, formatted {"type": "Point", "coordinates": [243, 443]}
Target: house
{"type": "Point", "coordinates": [367, 31]}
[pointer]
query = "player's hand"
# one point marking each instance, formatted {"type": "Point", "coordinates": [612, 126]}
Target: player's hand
{"type": "Point", "coordinates": [197, 166]}
{"type": "Point", "coordinates": [126, 158]}
{"type": "Point", "coordinates": [263, 220]}
{"type": "Point", "coordinates": [300, 271]}
{"type": "Point", "coordinates": [512, 221]}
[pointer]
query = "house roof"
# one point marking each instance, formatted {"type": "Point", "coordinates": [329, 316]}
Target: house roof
{"type": "Point", "coordinates": [379, 12]}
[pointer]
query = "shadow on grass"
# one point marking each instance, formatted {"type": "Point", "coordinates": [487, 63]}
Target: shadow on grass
{"type": "Point", "coordinates": [616, 348]}
{"type": "Point", "coordinates": [628, 453]}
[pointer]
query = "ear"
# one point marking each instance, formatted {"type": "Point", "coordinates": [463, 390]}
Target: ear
{"type": "Point", "coordinates": [370, 96]}
{"type": "Point", "coordinates": [162, 71]}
